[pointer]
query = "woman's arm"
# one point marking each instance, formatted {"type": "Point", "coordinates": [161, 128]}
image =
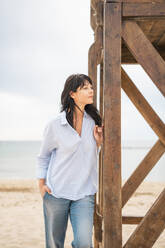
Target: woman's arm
{"type": "Point", "coordinates": [47, 145]}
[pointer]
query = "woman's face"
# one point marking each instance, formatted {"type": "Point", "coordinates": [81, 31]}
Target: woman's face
{"type": "Point", "coordinates": [83, 95]}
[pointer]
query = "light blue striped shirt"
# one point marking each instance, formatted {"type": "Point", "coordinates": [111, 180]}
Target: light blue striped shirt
{"type": "Point", "coordinates": [68, 161]}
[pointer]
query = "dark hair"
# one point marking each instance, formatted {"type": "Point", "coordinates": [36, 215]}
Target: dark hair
{"type": "Point", "coordinates": [71, 84]}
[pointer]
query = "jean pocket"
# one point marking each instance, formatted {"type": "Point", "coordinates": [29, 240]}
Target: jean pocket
{"type": "Point", "coordinates": [45, 195]}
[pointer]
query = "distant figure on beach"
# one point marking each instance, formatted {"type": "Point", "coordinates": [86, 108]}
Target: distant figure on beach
{"type": "Point", "coordinates": [67, 165]}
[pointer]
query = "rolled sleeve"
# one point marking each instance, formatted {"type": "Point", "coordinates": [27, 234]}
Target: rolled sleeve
{"type": "Point", "coordinates": [48, 144]}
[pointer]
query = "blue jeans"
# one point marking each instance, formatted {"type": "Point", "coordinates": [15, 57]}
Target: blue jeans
{"type": "Point", "coordinates": [56, 212]}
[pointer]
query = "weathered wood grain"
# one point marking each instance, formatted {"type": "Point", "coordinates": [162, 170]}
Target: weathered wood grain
{"type": "Point", "coordinates": [112, 235]}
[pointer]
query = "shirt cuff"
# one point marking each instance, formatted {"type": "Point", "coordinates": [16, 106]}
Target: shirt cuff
{"type": "Point", "coordinates": [41, 173]}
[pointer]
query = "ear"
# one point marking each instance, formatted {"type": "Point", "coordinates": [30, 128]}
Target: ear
{"type": "Point", "coordinates": [71, 94]}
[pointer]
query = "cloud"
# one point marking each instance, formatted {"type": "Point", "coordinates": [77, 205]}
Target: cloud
{"type": "Point", "coordinates": [42, 43]}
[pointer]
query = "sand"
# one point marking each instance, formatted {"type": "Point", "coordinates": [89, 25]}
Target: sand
{"type": "Point", "coordinates": [21, 215]}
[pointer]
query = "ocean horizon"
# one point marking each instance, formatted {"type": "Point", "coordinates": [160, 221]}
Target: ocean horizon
{"type": "Point", "coordinates": [18, 159]}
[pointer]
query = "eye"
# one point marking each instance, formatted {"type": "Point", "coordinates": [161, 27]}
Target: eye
{"type": "Point", "coordinates": [87, 87]}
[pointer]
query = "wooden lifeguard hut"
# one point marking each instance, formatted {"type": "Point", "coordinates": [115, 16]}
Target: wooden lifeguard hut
{"type": "Point", "coordinates": [128, 32]}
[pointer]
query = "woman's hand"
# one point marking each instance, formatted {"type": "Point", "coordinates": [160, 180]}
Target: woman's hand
{"type": "Point", "coordinates": [43, 187]}
{"type": "Point", "coordinates": [98, 134]}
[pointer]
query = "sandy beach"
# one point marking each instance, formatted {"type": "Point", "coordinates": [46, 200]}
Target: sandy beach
{"type": "Point", "coordinates": [21, 215]}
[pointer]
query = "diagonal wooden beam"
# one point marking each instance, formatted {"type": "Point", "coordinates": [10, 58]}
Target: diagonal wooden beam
{"type": "Point", "coordinates": [158, 127]}
{"type": "Point", "coordinates": [143, 106]}
{"type": "Point", "coordinates": [142, 171]}
{"type": "Point", "coordinates": [144, 53]}
{"type": "Point", "coordinates": [127, 57]}
{"type": "Point", "coordinates": [150, 227]}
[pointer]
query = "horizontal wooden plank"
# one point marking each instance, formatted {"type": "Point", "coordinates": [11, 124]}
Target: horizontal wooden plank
{"type": "Point", "coordinates": [135, 1]}
{"type": "Point", "coordinates": [131, 220]}
{"type": "Point", "coordinates": [143, 9]}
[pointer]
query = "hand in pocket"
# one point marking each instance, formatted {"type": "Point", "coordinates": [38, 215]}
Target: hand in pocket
{"type": "Point", "coordinates": [44, 189]}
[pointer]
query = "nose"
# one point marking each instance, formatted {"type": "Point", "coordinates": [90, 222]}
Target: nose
{"type": "Point", "coordinates": [91, 91]}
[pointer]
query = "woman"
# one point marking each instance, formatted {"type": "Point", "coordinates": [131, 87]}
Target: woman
{"type": "Point", "coordinates": [67, 165]}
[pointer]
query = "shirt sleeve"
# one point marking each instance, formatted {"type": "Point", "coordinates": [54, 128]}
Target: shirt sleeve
{"type": "Point", "coordinates": [47, 145]}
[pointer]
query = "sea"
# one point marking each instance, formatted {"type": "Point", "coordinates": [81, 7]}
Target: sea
{"type": "Point", "coordinates": [18, 159]}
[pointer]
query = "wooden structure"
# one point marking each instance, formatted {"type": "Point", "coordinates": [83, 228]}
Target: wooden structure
{"type": "Point", "coordinates": [126, 31]}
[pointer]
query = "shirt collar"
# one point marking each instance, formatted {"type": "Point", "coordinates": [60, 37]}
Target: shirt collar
{"type": "Point", "coordinates": [64, 120]}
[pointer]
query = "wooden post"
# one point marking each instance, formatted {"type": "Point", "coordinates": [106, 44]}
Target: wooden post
{"type": "Point", "coordinates": [112, 221]}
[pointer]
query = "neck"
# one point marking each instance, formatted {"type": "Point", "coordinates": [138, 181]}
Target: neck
{"type": "Point", "coordinates": [79, 110]}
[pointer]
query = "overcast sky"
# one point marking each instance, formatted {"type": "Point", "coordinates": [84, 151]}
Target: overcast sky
{"type": "Point", "coordinates": [42, 43]}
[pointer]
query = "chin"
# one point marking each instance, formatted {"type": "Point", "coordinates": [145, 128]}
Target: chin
{"type": "Point", "coordinates": [90, 101]}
